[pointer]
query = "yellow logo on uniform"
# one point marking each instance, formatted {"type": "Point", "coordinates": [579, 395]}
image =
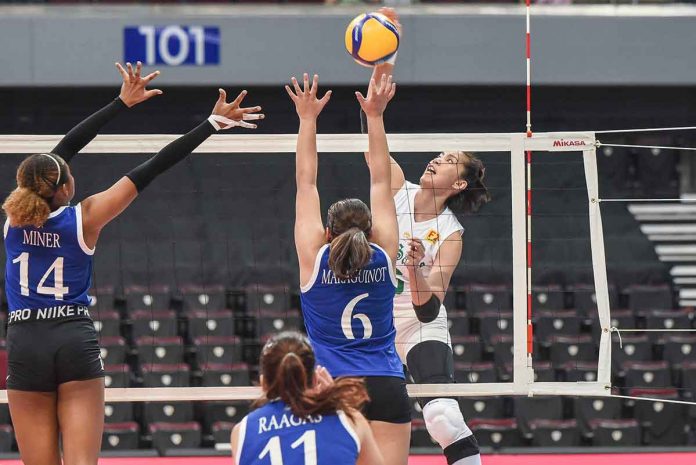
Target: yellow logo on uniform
{"type": "Point", "coordinates": [432, 236]}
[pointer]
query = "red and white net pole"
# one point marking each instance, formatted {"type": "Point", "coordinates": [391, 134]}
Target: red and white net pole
{"type": "Point", "coordinates": [530, 335]}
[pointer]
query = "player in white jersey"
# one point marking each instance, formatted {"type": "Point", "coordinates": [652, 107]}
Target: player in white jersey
{"type": "Point", "coordinates": [430, 249]}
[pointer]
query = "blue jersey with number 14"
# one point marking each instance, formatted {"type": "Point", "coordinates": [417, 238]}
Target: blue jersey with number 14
{"type": "Point", "coordinates": [48, 266]}
{"type": "Point", "coordinates": [350, 322]}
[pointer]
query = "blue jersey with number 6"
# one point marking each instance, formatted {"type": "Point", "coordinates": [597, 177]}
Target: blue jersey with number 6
{"type": "Point", "coordinates": [48, 266]}
{"type": "Point", "coordinates": [350, 322]}
{"type": "Point", "coordinates": [273, 435]}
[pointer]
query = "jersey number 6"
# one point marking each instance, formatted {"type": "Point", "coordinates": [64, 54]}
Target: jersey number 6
{"type": "Point", "coordinates": [347, 317]}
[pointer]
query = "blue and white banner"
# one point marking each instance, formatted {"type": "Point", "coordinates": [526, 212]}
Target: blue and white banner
{"type": "Point", "coordinates": [173, 45]}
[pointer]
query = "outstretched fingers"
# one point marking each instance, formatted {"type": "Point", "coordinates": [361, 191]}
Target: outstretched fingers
{"type": "Point", "coordinates": [150, 77]}
{"type": "Point", "coordinates": [238, 101]}
{"type": "Point", "coordinates": [325, 99]}
{"type": "Point", "coordinates": [315, 86]}
{"type": "Point", "coordinates": [123, 73]}
{"type": "Point", "coordinates": [305, 79]}
{"type": "Point", "coordinates": [152, 93]}
{"type": "Point", "coordinates": [131, 74]}
{"type": "Point", "coordinates": [296, 85]}
{"type": "Point", "coordinates": [252, 113]}
{"type": "Point", "coordinates": [361, 98]}
{"type": "Point", "coordinates": [290, 93]}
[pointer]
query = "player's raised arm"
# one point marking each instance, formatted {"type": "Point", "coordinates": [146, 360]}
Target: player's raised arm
{"type": "Point", "coordinates": [385, 230]}
{"type": "Point", "coordinates": [101, 208]}
{"type": "Point", "coordinates": [386, 69]}
{"type": "Point", "coordinates": [309, 229]}
{"type": "Point", "coordinates": [133, 92]}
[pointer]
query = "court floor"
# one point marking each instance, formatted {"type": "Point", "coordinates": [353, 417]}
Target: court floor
{"type": "Point", "coordinates": [677, 458]}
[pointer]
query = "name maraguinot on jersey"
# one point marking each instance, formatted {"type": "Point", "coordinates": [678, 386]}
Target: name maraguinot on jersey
{"type": "Point", "coordinates": [368, 276]}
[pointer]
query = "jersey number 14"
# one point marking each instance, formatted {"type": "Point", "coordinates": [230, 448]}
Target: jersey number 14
{"type": "Point", "coordinates": [58, 291]}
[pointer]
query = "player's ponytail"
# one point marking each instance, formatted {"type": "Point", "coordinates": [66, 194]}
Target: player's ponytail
{"type": "Point", "coordinates": [291, 382]}
{"type": "Point", "coordinates": [38, 178]}
{"type": "Point", "coordinates": [287, 366]}
{"type": "Point", "coordinates": [475, 195]}
{"type": "Point", "coordinates": [349, 222]}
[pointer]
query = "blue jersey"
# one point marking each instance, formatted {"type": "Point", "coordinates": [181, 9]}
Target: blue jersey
{"type": "Point", "coordinates": [272, 434]}
{"type": "Point", "coordinates": [48, 266]}
{"type": "Point", "coordinates": [350, 322]}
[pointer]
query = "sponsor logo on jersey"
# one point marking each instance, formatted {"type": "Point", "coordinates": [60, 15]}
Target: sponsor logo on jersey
{"type": "Point", "coordinates": [432, 236]}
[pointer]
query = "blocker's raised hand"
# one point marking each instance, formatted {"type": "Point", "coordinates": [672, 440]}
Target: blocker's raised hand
{"type": "Point", "coordinates": [228, 115]}
{"type": "Point", "coordinates": [307, 105]}
{"type": "Point", "coordinates": [378, 96]}
{"type": "Point", "coordinates": [133, 89]}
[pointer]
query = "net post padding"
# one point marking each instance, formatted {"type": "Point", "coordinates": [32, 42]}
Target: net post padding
{"type": "Point", "coordinates": [598, 265]}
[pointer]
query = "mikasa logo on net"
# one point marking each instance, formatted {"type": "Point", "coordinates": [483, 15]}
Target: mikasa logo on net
{"type": "Point", "coordinates": [568, 143]}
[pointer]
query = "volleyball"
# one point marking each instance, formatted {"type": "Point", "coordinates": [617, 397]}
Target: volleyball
{"type": "Point", "coordinates": [371, 39]}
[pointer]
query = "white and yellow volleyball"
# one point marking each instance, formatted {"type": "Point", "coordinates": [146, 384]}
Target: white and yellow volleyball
{"type": "Point", "coordinates": [371, 39]}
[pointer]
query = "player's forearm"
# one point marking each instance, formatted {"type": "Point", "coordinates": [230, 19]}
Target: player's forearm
{"type": "Point", "coordinates": [306, 159]}
{"type": "Point", "coordinates": [420, 287]}
{"type": "Point", "coordinates": [378, 158]}
{"type": "Point", "coordinates": [82, 134]}
{"type": "Point", "coordinates": [170, 155]}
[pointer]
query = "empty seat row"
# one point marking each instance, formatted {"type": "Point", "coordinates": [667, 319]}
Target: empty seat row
{"type": "Point", "coordinates": [582, 297]}
{"type": "Point", "coordinates": [197, 323]}
{"type": "Point", "coordinates": [191, 297]}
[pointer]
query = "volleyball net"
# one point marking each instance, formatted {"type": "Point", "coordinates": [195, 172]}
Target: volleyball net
{"type": "Point", "coordinates": [194, 276]}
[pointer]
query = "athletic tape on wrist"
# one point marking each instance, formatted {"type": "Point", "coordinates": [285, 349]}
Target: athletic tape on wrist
{"type": "Point", "coordinates": [227, 123]}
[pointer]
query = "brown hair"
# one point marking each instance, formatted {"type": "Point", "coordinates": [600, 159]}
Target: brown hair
{"type": "Point", "coordinates": [38, 178]}
{"type": "Point", "coordinates": [471, 199]}
{"type": "Point", "coordinates": [349, 222]}
{"type": "Point", "coordinates": [287, 366]}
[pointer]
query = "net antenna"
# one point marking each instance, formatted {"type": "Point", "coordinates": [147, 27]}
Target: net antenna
{"type": "Point", "coordinates": [528, 49]}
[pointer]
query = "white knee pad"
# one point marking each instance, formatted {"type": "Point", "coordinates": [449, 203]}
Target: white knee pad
{"type": "Point", "coordinates": [445, 421]}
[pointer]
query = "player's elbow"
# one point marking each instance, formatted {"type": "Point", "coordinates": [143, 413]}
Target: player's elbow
{"type": "Point", "coordinates": [428, 311]}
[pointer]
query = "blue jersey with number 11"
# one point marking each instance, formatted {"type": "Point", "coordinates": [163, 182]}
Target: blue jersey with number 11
{"type": "Point", "coordinates": [350, 322]}
{"type": "Point", "coordinates": [273, 435]}
{"type": "Point", "coordinates": [48, 266]}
